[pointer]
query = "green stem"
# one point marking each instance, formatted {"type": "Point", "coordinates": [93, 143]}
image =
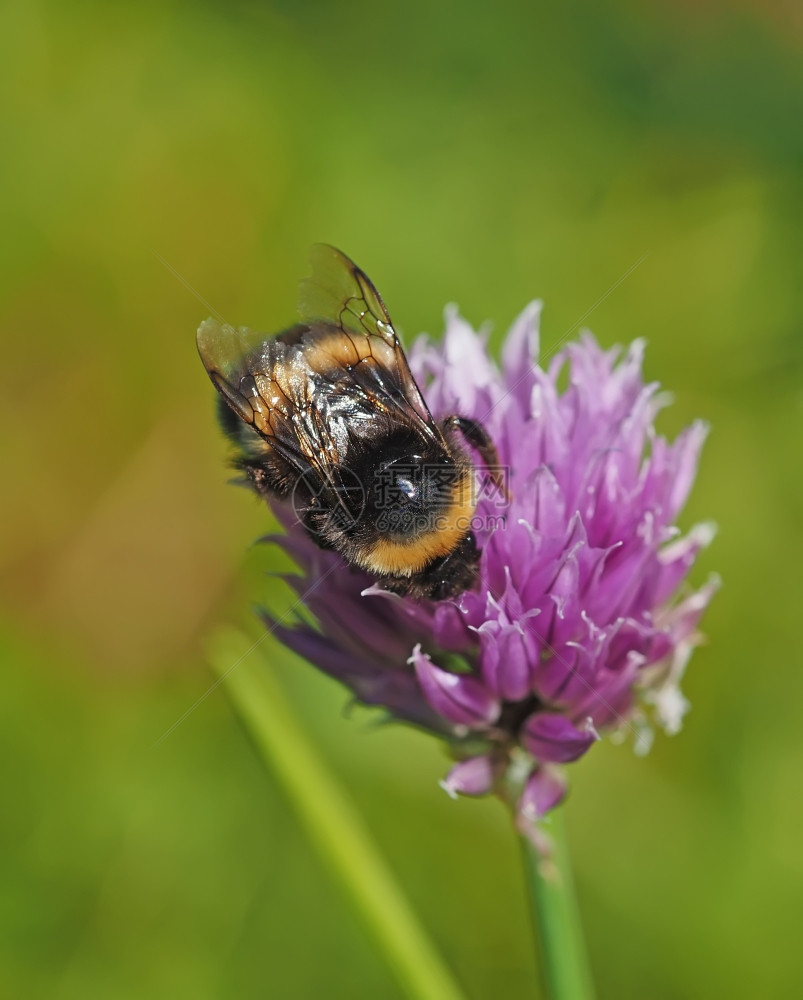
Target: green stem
{"type": "Point", "coordinates": [331, 819]}
{"type": "Point", "coordinates": [558, 930]}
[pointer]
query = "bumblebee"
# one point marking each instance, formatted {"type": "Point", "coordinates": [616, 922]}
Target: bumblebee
{"type": "Point", "coordinates": [328, 416]}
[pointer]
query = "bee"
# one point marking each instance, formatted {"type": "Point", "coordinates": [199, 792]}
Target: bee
{"type": "Point", "coordinates": [327, 415]}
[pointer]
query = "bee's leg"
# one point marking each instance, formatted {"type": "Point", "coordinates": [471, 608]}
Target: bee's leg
{"type": "Point", "coordinates": [476, 435]}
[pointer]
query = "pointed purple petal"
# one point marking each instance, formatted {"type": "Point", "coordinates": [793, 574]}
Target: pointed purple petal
{"type": "Point", "coordinates": [475, 776]}
{"type": "Point", "coordinates": [545, 789]}
{"type": "Point", "coordinates": [506, 658]}
{"type": "Point", "coordinates": [552, 738]}
{"type": "Point", "coordinates": [461, 699]}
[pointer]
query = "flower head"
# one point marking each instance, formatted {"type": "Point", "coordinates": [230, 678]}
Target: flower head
{"type": "Point", "coordinates": [575, 627]}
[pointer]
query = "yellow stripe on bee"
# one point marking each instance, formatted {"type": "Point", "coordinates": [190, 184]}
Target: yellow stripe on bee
{"type": "Point", "coordinates": [339, 349]}
{"type": "Point", "coordinates": [389, 557]}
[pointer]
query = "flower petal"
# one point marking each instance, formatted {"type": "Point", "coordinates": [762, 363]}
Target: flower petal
{"type": "Point", "coordinates": [545, 789]}
{"type": "Point", "coordinates": [474, 776]}
{"type": "Point", "coordinates": [521, 348]}
{"type": "Point", "coordinates": [507, 656]}
{"type": "Point", "coordinates": [460, 698]}
{"type": "Point", "coordinates": [554, 739]}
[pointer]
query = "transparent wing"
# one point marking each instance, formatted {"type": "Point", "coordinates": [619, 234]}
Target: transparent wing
{"type": "Point", "coordinates": [222, 349]}
{"type": "Point", "coordinates": [339, 292]}
{"type": "Point", "coordinates": [231, 357]}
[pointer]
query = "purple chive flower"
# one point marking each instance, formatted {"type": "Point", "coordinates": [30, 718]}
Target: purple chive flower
{"type": "Point", "coordinates": [577, 626]}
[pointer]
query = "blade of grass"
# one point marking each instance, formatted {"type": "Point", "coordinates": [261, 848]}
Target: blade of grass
{"type": "Point", "coordinates": [330, 818]}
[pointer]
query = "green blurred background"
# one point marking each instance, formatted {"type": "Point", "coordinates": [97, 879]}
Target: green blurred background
{"type": "Point", "coordinates": [462, 152]}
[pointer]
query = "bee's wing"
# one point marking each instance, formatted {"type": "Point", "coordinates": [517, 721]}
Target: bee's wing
{"type": "Point", "coordinates": [231, 358]}
{"type": "Point", "coordinates": [222, 348]}
{"type": "Point", "coordinates": [234, 360]}
{"type": "Point", "coordinates": [339, 292]}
